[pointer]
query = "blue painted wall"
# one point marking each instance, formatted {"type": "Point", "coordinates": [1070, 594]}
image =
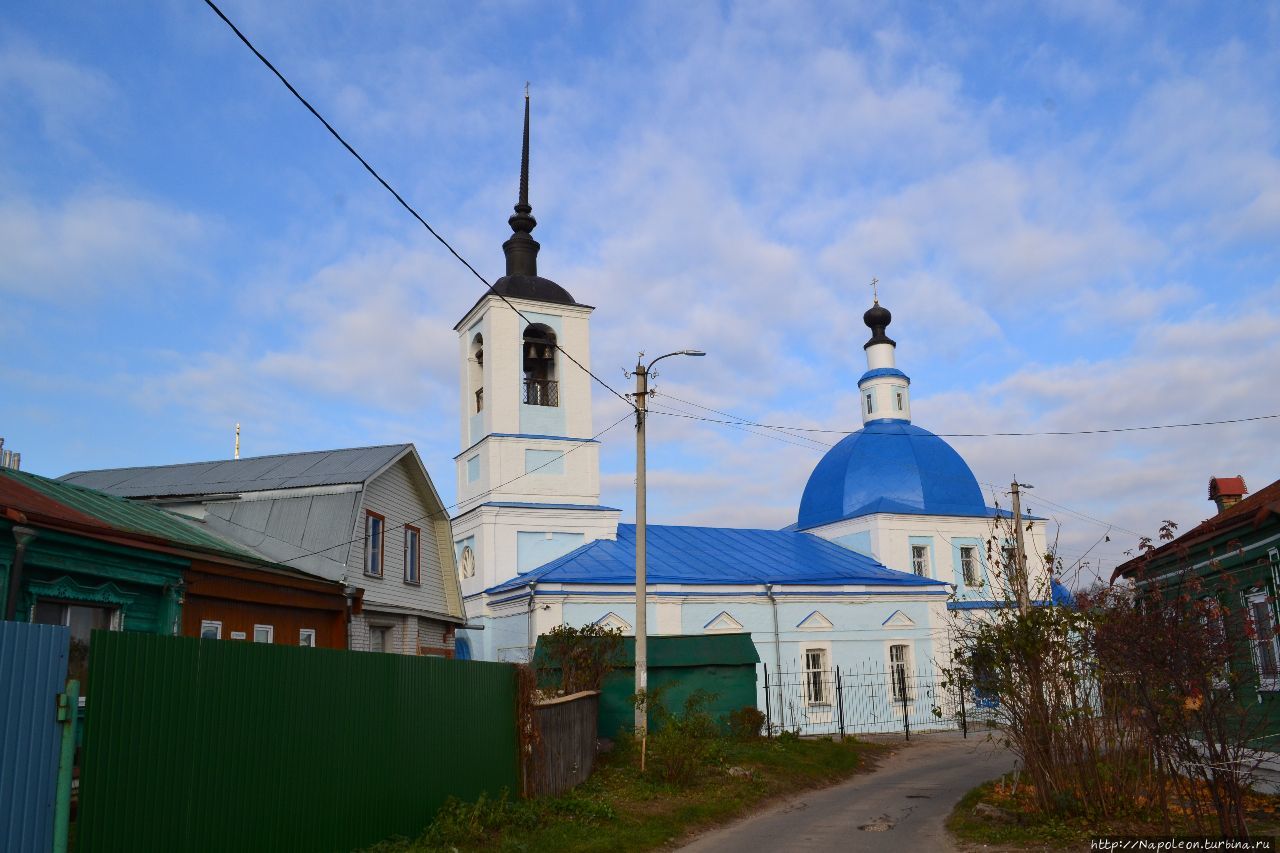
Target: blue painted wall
{"type": "Point", "coordinates": [859, 542]}
{"type": "Point", "coordinates": [544, 461]}
{"type": "Point", "coordinates": [537, 548]}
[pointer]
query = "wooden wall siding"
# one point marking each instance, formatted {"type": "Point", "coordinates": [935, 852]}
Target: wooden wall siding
{"type": "Point", "coordinates": [287, 622]}
{"type": "Point", "coordinates": [395, 495]}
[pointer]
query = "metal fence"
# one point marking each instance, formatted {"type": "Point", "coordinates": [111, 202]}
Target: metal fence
{"type": "Point", "coordinates": [199, 745]}
{"type": "Point", "coordinates": [867, 699]}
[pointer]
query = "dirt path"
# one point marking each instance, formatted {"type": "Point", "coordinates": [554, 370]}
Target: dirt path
{"type": "Point", "coordinates": [900, 807]}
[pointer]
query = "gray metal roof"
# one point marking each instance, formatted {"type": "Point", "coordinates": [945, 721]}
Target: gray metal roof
{"type": "Point", "coordinates": [235, 476]}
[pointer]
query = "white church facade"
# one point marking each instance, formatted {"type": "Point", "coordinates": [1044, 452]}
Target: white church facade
{"type": "Point", "coordinates": [892, 535]}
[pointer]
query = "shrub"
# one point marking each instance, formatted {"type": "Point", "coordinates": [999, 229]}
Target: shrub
{"type": "Point", "coordinates": [579, 657]}
{"type": "Point", "coordinates": [746, 723]}
{"type": "Point", "coordinates": [683, 746]}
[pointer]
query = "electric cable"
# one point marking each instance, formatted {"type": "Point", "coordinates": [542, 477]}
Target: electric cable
{"type": "Point", "coordinates": [412, 212]}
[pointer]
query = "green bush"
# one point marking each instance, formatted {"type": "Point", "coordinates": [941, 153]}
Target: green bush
{"type": "Point", "coordinates": [746, 723]}
{"type": "Point", "coordinates": [683, 746]}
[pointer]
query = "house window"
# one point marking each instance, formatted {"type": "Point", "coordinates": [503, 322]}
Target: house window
{"type": "Point", "coordinates": [969, 565]}
{"type": "Point", "coordinates": [815, 675]}
{"type": "Point", "coordinates": [373, 527]}
{"type": "Point", "coordinates": [900, 672]}
{"type": "Point", "coordinates": [920, 560]}
{"type": "Point", "coordinates": [411, 552]}
{"type": "Point", "coordinates": [264, 633]}
{"type": "Point", "coordinates": [1266, 655]}
{"type": "Point", "coordinates": [870, 402]}
{"type": "Point", "coordinates": [379, 638]}
{"type": "Point", "coordinates": [210, 630]}
{"type": "Point", "coordinates": [307, 637]}
{"type": "Point", "coordinates": [83, 620]}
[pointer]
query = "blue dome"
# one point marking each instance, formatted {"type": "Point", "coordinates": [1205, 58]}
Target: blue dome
{"type": "Point", "coordinates": [890, 466]}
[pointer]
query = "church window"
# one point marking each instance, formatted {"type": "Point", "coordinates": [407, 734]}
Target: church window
{"type": "Point", "coordinates": [900, 672]}
{"type": "Point", "coordinates": [870, 402]}
{"type": "Point", "coordinates": [899, 396]}
{"type": "Point", "coordinates": [476, 369]}
{"type": "Point", "coordinates": [920, 560]}
{"type": "Point", "coordinates": [969, 564]}
{"type": "Point", "coordinates": [539, 358]}
{"type": "Point", "coordinates": [816, 690]}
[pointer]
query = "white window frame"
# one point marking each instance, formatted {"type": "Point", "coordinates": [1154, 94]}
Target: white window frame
{"type": "Point", "coordinates": [388, 643]}
{"type": "Point", "coordinates": [413, 555]}
{"type": "Point", "coordinates": [1258, 644]}
{"type": "Point", "coordinates": [215, 625]}
{"type": "Point", "coordinates": [974, 564]}
{"type": "Point", "coordinates": [817, 672]}
{"type": "Point", "coordinates": [307, 634]}
{"type": "Point", "coordinates": [899, 684]}
{"type": "Point", "coordinates": [920, 568]}
{"type": "Point", "coordinates": [271, 633]}
{"type": "Point", "coordinates": [375, 546]}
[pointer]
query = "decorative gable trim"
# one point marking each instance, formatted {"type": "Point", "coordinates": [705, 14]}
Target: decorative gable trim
{"type": "Point", "coordinates": [724, 623]}
{"type": "Point", "coordinates": [613, 622]}
{"type": "Point", "coordinates": [898, 619]}
{"type": "Point", "coordinates": [815, 621]}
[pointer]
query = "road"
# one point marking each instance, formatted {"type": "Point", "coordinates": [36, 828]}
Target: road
{"type": "Point", "coordinates": [901, 806]}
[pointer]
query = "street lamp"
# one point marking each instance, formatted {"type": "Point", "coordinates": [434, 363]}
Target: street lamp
{"type": "Point", "coordinates": [642, 599]}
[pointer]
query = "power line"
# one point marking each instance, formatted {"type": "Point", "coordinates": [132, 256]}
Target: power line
{"type": "Point", "coordinates": [1100, 431]}
{"type": "Point", "coordinates": [397, 195]}
{"type": "Point", "coordinates": [739, 417]}
{"type": "Point", "coordinates": [444, 512]}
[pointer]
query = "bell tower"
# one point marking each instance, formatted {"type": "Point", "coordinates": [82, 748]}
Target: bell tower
{"type": "Point", "coordinates": [528, 470]}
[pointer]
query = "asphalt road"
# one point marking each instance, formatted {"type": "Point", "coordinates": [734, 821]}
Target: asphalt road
{"type": "Point", "coordinates": [901, 806]}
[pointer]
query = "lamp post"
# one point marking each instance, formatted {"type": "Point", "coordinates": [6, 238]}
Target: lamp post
{"type": "Point", "coordinates": [642, 374]}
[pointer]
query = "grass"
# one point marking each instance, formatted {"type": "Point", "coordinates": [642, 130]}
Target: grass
{"type": "Point", "coordinates": [1033, 829]}
{"type": "Point", "coordinates": [619, 810]}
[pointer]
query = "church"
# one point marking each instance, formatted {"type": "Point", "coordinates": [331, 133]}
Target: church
{"type": "Point", "coordinates": [892, 534]}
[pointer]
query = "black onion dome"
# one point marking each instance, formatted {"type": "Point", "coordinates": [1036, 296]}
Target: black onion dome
{"type": "Point", "coordinates": [535, 287]}
{"type": "Point", "coordinates": [877, 319]}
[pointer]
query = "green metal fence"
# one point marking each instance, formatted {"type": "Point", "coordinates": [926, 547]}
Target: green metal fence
{"type": "Point", "coordinates": [207, 745]}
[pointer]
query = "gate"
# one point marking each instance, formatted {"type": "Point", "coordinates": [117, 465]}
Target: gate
{"type": "Point", "coordinates": [866, 699]}
{"type": "Point", "coordinates": [33, 673]}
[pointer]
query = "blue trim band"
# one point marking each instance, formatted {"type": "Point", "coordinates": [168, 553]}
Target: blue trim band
{"type": "Point", "coordinates": [991, 605]}
{"type": "Point", "coordinates": [884, 371]}
{"type": "Point", "coordinates": [528, 436]}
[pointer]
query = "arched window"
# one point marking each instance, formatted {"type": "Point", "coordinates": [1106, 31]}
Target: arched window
{"type": "Point", "coordinates": [539, 361]}
{"type": "Point", "coordinates": [476, 371]}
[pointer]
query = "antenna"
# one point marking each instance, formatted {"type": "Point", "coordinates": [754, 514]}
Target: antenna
{"type": "Point", "coordinates": [237, 456]}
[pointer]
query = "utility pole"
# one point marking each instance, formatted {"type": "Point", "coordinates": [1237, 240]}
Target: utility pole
{"type": "Point", "coordinates": [1020, 555]}
{"type": "Point", "coordinates": [642, 374]}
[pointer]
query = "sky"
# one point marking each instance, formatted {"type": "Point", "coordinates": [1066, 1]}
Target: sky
{"type": "Point", "coordinates": [1073, 210]}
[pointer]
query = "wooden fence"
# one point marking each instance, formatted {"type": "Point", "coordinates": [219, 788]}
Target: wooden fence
{"type": "Point", "coordinates": [568, 728]}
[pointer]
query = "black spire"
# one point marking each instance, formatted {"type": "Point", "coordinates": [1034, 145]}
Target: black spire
{"type": "Point", "coordinates": [877, 319]}
{"type": "Point", "coordinates": [521, 249]}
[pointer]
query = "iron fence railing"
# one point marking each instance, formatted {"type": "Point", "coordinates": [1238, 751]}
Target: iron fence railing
{"type": "Point", "coordinates": [867, 699]}
{"type": "Point", "coordinates": [541, 392]}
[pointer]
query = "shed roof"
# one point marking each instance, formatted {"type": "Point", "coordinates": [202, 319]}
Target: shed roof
{"type": "Point", "coordinates": [67, 502]}
{"type": "Point", "coordinates": [717, 555]}
{"type": "Point", "coordinates": [251, 474]}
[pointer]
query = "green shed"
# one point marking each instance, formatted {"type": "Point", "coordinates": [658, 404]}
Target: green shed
{"type": "Point", "coordinates": [724, 665]}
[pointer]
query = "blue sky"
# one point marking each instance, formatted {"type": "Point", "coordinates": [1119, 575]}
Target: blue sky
{"type": "Point", "coordinates": [1074, 209]}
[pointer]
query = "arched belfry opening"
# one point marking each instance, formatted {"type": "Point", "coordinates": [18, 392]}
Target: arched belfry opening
{"type": "Point", "coordinates": [539, 362]}
{"type": "Point", "coordinates": [475, 371]}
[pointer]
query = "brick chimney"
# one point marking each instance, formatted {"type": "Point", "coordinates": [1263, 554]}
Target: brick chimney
{"type": "Point", "coordinates": [1226, 492]}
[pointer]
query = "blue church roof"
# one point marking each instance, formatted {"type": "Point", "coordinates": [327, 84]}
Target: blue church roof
{"type": "Point", "coordinates": [890, 466]}
{"type": "Point", "coordinates": [717, 555]}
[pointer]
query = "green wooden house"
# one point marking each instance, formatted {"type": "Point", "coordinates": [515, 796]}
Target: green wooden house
{"type": "Point", "coordinates": [78, 557]}
{"type": "Point", "coordinates": [1236, 556]}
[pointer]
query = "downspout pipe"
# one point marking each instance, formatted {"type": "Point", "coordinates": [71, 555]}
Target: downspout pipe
{"type": "Point", "coordinates": [21, 535]}
{"type": "Point", "coordinates": [533, 634]}
{"type": "Point", "coordinates": [777, 648]}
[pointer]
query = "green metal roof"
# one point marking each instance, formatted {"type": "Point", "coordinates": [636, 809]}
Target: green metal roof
{"type": "Point", "coordinates": [128, 516]}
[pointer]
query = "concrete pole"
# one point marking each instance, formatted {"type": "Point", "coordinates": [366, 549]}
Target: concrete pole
{"type": "Point", "coordinates": [642, 593]}
{"type": "Point", "coordinates": [1020, 555]}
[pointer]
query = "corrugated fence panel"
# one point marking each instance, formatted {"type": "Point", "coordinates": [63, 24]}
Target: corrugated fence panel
{"type": "Point", "coordinates": [207, 745]}
{"type": "Point", "coordinates": [33, 671]}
